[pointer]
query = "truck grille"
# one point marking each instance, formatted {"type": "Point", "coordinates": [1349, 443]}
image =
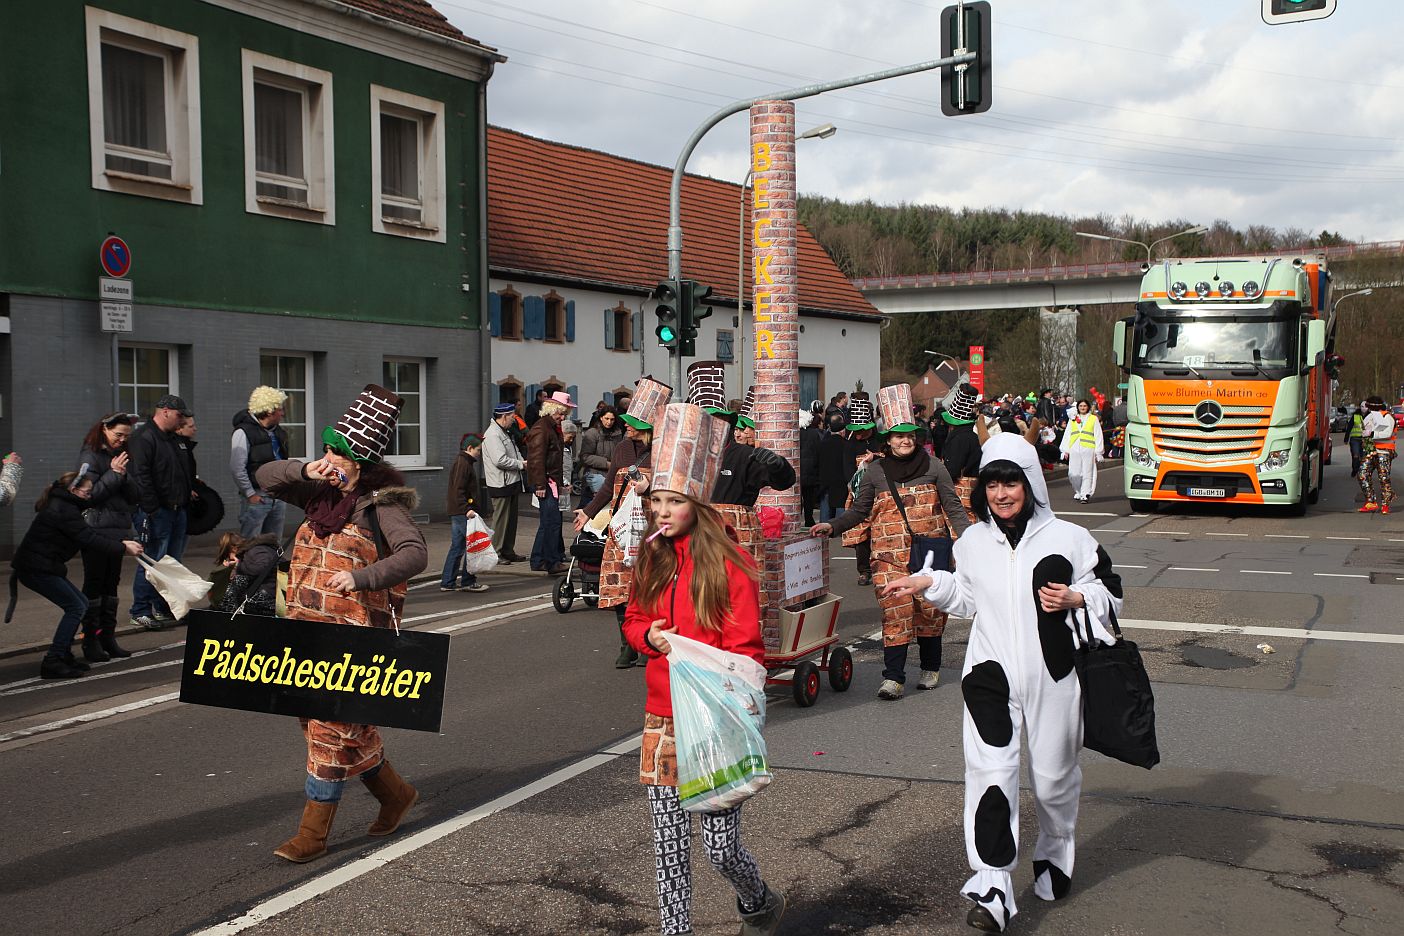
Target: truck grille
{"type": "Point", "coordinates": [1237, 438]}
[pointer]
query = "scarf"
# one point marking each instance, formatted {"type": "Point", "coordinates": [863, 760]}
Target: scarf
{"type": "Point", "coordinates": [1013, 529]}
{"type": "Point", "coordinates": [329, 510]}
{"type": "Point", "coordinates": [903, 470]}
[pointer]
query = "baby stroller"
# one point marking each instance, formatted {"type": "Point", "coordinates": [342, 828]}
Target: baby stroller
{"type": "Point", "coordinates": [582, 579]}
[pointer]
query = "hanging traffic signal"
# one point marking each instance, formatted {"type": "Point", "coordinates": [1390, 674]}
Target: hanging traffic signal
{"type": "Point", "coordinates": [966, 89]}
{"type": "Point", "coordinates": [694, 309]}
{"type": "Point", "coordinates": [1296, 11]}
{"type": "Point", "coordinates": [668, 296]}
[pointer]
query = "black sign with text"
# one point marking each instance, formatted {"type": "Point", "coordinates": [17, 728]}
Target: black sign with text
{"type": "Point", "coordinates": [330, 672]}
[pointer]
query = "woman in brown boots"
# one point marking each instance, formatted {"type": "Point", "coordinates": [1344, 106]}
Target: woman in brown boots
{"type": "Point", "coordinates": [356, 507]}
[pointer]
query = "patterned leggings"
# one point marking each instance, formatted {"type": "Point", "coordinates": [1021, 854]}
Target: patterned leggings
{"type": "Point", "coordinates": [1378, 461]}
{"type": "Point", "coordinates": [721, 837]}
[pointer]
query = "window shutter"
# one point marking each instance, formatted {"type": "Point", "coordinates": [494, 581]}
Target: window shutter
{"type": "Point", "coordinates": [529, 395]}
{"type": "Point", "coordinates": [534, 313]}
{"type": "Point", "coordinates": [570, 320]}
{"type": "Point", "coordinates": [609, 329]}
{"type": "Point", "coordinates": [574, 392]}
{"type": "Point", "coordinates": [495, 314]}
{"type": "Point", "coordinates": [608, 397]}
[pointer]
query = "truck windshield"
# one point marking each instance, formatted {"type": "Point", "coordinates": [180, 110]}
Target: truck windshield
{"type": "Point", "coordinates": [1242, 343]}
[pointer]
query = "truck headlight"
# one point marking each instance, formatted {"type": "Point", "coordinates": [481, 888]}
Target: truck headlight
{"type": "Point", "coordinates": [1142, 457]}
{"type": "Point", "coordinates": [1277, 460]}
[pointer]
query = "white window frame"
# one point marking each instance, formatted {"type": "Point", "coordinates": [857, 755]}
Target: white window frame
{"type": "Point", "coordinates": [319, 163]}
{"type": "Point", "coordinates": [172, 371]}
{"type": "Point", "coordinates": [181, 53]}
{"type": "Point", "coordinates": [433, 187]}
{"type": "Point", "coordinates": [313, 439]}
{"type": "Point", "coordinates": [420, 460]}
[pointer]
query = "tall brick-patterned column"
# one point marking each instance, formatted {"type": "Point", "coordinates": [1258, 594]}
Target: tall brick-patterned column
{"type": "Point", "coordinates": [775, 293]}
{"type": "Point", "coordinates": [775, 281]}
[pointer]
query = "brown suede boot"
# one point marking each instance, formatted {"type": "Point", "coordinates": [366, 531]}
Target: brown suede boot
{"type": "Point", "coordinates": [311, 838]}
{"type": "Point", "coordinates": [396, 797]}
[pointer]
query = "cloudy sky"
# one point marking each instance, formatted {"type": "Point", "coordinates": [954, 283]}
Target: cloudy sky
{"type": "Point", "coordinates": [1161, 110]}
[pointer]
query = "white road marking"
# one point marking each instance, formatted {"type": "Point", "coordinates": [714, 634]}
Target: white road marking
{"type": "Point", "coordinates": [1170, 532]}
{"type": "Point", "coordinates": [5, 689]}
{"type": "Point", "coordinates": [1121, 566]}
{"type": "Point", "coordinates": [1397, 540]}
{"type": "Point", "coordinates": [1188, 569]}
{"type": "Point", "coordinates": [91, 677]}
{"type": "Point", "coordinates": [1110, 530]}
{"type": "Point", "coordinates": [482, 607]}
{"type": "Point", "coordinates": [88, 717]}
{"type": "Point", "coordinates": [1350, 636]}
{"type": "Point", "coordinates": [1287, 536]}
{"type": "Point", "coordinates": [1085, 513]}
{"type": "Point", "coordinates": [479, 622]}
{"type": "Point", "coordinates": [1263, 572]}
{"type": "Point", "coordinates": [1339, 575]}
{"type": "Point", "coordinates": [1364, 539]}
{"type": "Point", "coordinates": [1226, 534]}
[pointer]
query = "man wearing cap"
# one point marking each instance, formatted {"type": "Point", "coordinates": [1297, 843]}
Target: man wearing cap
{"type": "Point", "coordinates": [257, 440]}
{"type": "Point", "coordinates": [961, 452]}
{"type": "Point", "coordinates": [158, 465]}
{"type": "Point", "coordinates": [503, 465]}
{"type": "Point", "coordinates": [465, 500]}
{"type": "Point", "coordinates": [545, 466]}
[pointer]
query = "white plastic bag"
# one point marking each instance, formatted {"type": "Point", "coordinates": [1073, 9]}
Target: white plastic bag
{"type": "Point", "coordinates": [180, 587]}
{"type": "Point", "coordinates": [478, 556]}
{"type": "Point", "coordinates": [628, 525]}
{"type": "Point", "coordinates": [718, 713]}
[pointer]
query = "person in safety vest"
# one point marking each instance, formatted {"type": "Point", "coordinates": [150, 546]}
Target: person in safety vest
{"type": "Point", "coordinates": [1082, 450]}
{"type": "Point", "coordinates": [1378, 430]}
{"type": "Point", "coordinates": [1353, 436]}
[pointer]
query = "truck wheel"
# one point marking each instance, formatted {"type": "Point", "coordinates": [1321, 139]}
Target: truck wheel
{"type": "Point", "coordinates": [1315, 494]}
{"type": "Point", "coordinates": [1139, 505]}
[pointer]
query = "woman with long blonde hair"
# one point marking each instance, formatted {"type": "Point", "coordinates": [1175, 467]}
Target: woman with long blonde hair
{"type": "Point", "coordinates": [692, 579]}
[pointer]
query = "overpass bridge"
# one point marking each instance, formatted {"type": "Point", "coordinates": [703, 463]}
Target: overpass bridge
{"type": "Point", "coordinates": [1069, 286]}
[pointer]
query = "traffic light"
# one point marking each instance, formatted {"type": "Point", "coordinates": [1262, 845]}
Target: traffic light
{"type": "Point", "coordinates": [1296, 11]}
{"type": "Point", "coordinates": [695, 298]}
{"type": "Point", "coordinates": [966, 89]}
{"type": "Point", "coordinates": [668, 295]}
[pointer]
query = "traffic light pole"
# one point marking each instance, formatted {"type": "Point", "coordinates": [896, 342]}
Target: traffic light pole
{"type": "Point", "coordinates": [675, 232]}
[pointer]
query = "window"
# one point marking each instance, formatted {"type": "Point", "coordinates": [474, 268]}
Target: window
{"type": "Point", "coordinates": [811, 385]}
{"type": "Point", "coordinates": [143, 108]}
{"type": "Point", "coordinates": [292, 374]}
{"type": "Point", "coordinates": [619, 328]}
{"type": "Point", "coordinates": [511, 315]}
{"type": "Point", "coordinates": [726, 339]}
{"type": "Point", "coordinates": [407, 165]}
{"type": "Point", "coordinates": [288, 164]}
{"type": "Point", "coordinates": [145, 373]}
{"type": "Point", "coordinates": [509, 390]}
{"type": "Point", "coordinates": [405, 376]}
{"type": "Point", "coordinates": [555, 326]}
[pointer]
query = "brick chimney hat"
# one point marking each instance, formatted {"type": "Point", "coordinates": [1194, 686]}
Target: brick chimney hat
{"type": "Point", "coordinates": [364, 431]}
{"type": "Point", "coordinates": [646, 405]}
{"type": "Point", "coordinates": [706, 386]}
{"type": "Point", "coordinates": [687, 450]}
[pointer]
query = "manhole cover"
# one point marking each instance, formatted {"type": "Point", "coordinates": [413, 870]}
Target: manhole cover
{"type": "Point", "coordinates": [1213, 658]}
{"type": "Point", "coordinates": [1358, 857]}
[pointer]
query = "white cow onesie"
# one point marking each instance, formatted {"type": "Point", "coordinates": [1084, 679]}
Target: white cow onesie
{"type": "Point", "coordinates": [1019, 673]}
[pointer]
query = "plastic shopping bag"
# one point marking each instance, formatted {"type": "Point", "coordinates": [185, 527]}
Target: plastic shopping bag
{"type": "Point", "coordinates": [718, 713]}
{"type": "Point", "coordinates": [180, 587]}
{"type": "Point", "coordinates": [479, 556]}
{"type": "Point", "coordinates": [628, 525]}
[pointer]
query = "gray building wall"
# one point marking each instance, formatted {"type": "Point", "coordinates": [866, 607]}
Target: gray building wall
{"type": "Point", "coordinates": [56, 379]}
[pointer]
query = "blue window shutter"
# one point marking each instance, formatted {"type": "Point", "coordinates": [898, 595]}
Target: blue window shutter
{"type": "Point", "coordinates": [529, 394]}
{"type": "Point", "coordinates": [608, 397]}
{"type": "Point", "coordinates": [495, 314]}
{"type": "Point", "coordinates": [609, 328]}
{"type": "Point", "coordinates": [534, 314]}
{"type": "Point", "coordinates": [574, 392]}
{"type": "Point", "coordinates": [570, 320]}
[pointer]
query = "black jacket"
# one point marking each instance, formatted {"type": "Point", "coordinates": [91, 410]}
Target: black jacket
{"type": "Point", "coordinates": [811, 442]}
{"type": "Point", "coordinates": [258, 559]}
{"type": "Point", "coordinates": [745, 470]}
{"type": "Point", "coordinates": [465, 487]}
{"type": "Point", "coordinates": [58, 533]}
{"type": "Point", "coordinates": [260, 441]}
{"type": "Point", "coordinates": [114, 498]}
{"type": "Point", "coordinates": [961, 452]}
{"type": "Point", "coordinates": [161, 465]}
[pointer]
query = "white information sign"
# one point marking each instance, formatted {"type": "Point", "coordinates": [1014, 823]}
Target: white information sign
{"type": "Point", "coordinates": [804, 567]}
{"type": "Point", "coordinates": [114, 290]}
{"type": "Point", "coordinates": [116, 316]}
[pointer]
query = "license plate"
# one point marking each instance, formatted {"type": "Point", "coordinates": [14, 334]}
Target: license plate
{"type": "Point", "coordinates": [1206, 492]}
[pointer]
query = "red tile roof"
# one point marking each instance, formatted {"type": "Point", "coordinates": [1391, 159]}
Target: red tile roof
{"type": "Point", "coordinates": [417, 13]}
{"type": "Point", "coordinates": [577, 214]}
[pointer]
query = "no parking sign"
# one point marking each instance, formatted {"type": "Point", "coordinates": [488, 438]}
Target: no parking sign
{"type": "Point", "coordinates": [115, 256]}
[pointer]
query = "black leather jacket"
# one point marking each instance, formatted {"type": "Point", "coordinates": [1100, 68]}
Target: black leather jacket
{"type": "Point", "coordinates": [160, 467]}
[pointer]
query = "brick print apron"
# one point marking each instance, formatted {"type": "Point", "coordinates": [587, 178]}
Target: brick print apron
{"type": "Point", "coordinates": [338, 750]}
{"type": "Point", "coordinates": [904, 618]}
{"type": "Point", "coordinates": [615, 576]}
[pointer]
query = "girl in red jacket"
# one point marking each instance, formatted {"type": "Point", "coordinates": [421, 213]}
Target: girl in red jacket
{"type": "Point", "coordinates": [692, 579]}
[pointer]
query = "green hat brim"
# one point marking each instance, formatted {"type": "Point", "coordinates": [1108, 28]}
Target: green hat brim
{"type": "Point", "coordinates": [637, 423]}
{"type": "Point", "coordinates": [952, 421]}
{"type": "Point", "coordinates": [718, 411]}
{"type": "Point", "coordinates": [338, 443]}
{"type": "Point", "coordinates": [859, 427]}
{"type": "Point", "coordinates": [900, 427]}
{"type": "Point", "coordinates": [745, 422]}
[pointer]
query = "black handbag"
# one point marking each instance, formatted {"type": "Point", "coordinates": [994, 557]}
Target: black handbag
{"type": "Point", "coordinates": [939, 547]}
{"type": "Point", "coordinates": [1118, 707]}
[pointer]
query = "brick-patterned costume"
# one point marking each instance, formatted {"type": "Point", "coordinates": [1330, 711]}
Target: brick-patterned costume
{"type": "Point", "coordinates": [904, 618]}
{"type": "Point", "coordinates": [615, 576]}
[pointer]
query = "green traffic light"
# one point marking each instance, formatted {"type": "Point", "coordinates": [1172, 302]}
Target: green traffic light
{"type": "Point", "coordinates": [666, 334]}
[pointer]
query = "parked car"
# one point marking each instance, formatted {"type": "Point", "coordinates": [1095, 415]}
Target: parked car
{"type": "Point", "coordinates": [1340, 419]}
{"type": "Point", "coordinates": [1398, 412]}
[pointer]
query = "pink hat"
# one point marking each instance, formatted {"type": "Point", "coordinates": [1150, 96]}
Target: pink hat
{"type": "Point", "coordinates": [563, 398]}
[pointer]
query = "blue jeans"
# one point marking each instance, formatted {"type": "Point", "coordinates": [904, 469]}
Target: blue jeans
{"type": "Point", "coordinates": [163, 534]}
{"type": "Point", "coordinates": [69, 597]}
{"type": "Point", "coordinates": [454, 573]}
{"type": "Point", "coordinates": [594, 480]}
{"type": "Point", "coordinates": [329, 791]}
{"type": "Point", "coordinates": [260, 519]}
{"type": "Point", "coordinates": [548, 551]}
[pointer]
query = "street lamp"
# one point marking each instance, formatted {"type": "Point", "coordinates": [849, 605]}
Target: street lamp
{"type": "Point", "coordinates": [821, 132]}
{"type": "Point", "coordinates": [1359, 292]}
{"type": "Point", "coordinates": [1197, 229]}
{"type": "Point", "coordinates": [938, 354]}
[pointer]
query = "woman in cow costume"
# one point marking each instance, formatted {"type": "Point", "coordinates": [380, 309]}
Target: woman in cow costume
{"type": "Point", "coordinates": [1022, 574]}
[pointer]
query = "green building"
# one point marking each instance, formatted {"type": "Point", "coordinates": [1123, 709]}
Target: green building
{"type": "Point", "coordinates": [300, 186]}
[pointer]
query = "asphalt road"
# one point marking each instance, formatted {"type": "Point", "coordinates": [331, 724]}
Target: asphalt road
{"type": "Point", "coordinates": [1278, 807]}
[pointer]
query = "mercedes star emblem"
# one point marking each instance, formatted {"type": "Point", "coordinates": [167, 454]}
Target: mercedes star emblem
{"type": "Point", "coordinates": [1208, 413]}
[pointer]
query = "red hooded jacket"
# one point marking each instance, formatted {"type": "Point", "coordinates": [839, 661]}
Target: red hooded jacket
{"type": "Point", "coordinates": [741, 633]}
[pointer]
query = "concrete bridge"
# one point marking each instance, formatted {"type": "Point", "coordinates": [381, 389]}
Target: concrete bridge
{"type": "Point", "coordinates": [1069, 286]}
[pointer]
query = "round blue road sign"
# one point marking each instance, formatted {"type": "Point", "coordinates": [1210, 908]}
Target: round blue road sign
{"type": "Point", "coordinates": [115, 256]}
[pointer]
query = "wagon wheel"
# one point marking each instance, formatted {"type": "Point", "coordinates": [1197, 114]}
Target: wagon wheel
{"type": "Point", "coordinates": [806, 684]}
{"type": "Point", "coordinates": [840, 669]}
{"type": "Point", "coordinates": [592, 602]}
{"type": "Point", "coordinates": [563, 596]}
